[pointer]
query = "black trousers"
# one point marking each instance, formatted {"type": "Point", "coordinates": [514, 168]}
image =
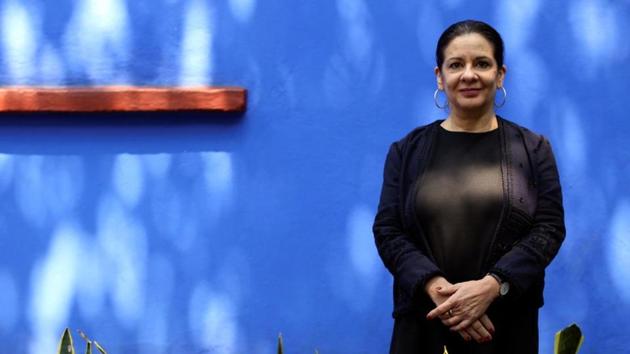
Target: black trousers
{"type": "Point", "coordinates": [516, 333]}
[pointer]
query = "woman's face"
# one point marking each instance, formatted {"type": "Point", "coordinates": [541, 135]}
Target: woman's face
{"type": "Point", "coordinates": [469, 75]}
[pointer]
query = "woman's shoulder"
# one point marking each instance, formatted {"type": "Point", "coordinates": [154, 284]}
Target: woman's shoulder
{"type": "Point", "coordinates": [530, 137]}
{"type": "Point", "coordinates": [417, 134]}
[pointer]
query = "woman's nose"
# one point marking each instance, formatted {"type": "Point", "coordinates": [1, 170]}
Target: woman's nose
{"type": "Point", "coordinates": [469, 74]}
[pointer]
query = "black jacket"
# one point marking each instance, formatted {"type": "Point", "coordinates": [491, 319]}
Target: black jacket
{"type": "Point", "coordinates": [529, 231]}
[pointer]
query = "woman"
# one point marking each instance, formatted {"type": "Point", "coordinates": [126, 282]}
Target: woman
{"type": "Point", "coordinates": [470, 213]}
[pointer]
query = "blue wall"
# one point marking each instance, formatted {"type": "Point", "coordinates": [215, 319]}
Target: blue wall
{"type": "Point", "coordinates": [178, 233]}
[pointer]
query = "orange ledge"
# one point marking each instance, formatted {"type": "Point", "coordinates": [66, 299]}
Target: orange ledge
{"type": "Point", "coordinates": [122, 99]}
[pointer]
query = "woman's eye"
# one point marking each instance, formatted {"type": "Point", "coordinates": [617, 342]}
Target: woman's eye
{"type": "Point", "coordinates": [454, 65]}
{"type": "Point", "coordinates": [483, 64]}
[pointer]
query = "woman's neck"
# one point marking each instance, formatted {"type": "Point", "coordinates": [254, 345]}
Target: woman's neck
{"type": "Point", "coordinates": [471, 122]}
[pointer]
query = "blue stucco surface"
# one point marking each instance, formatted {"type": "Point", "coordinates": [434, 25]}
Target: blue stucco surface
{"type": "Point", "coordinates": [212, 233]}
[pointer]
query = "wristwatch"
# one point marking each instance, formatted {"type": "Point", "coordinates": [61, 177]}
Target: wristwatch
{"type": "Point", "coordinates": [504, 287]}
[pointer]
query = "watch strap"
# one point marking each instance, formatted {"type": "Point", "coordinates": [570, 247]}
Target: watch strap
{"type": "Point", "coordinates": [504, 287]}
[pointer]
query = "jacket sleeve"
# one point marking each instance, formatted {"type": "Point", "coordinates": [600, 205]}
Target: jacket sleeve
{"type": "Point", "coordinates": [410, 267]}
{"type": "Point", "coordinates": [526, 261]}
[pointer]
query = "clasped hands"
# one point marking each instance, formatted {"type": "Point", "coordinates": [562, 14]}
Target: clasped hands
{"type": "Point", "coordinates": [462, 306]}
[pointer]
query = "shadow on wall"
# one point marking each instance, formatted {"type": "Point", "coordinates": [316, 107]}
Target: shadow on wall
{"type": "Point", "coordinates": [111, 208]}
{"type": "Point", "coordinates": [110, 133]}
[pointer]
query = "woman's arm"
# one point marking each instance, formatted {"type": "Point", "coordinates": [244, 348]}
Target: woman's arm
{"type": "Point", "coordinates": [522, 265]}
{"type": "Point", "coordinates": [405, 261]}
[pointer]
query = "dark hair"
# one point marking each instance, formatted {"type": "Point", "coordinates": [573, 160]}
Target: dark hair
{"type": "Point", "coordinates": [465, 27]}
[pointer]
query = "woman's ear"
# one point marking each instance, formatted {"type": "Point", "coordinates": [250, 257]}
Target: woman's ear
{"type": "Point", "coordinates": [501, 76]}
{"type": "Point", "coordinates": [438, 78]}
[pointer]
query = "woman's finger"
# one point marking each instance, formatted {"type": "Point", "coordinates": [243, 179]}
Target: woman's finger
{"type": "Point", "coordinates": [440, 310]}
{"type": "Point", "coordinates": [463, 324]}
{"type": "Point", "coordinates": [477, 332]}
{"type": "Point", "coordinates": [452, 318]}
{"type": "Point", "coordinates": [482, 331]}
{"type": "Point", "coordinates": [474, 334]}
{"type": "Point", "coordinates": [465, 336]}
{"type": "Point", "coordinates": [485, 321]}
{"type": "Point", "coordinates": [452, 321]}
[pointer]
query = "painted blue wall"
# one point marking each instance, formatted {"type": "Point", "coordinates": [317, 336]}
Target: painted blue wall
{"type": "Point", "coordinates": [178, 233]}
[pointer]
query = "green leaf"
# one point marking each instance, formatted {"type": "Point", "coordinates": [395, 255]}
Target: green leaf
{"type": "Point", "coordinates": [100, 349]}
{"type": "Point", "coordinates": [65, 344]}
{"type": "Point", "coordinates": [568, 340]}
{"type": "Point", "coordinates": [280, 346]}
{"type": "Point", "coordinates": [83, 335]}
{"type": "Point", "coordinates": [88, 342]}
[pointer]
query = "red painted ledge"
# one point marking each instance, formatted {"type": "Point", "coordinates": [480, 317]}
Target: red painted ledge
{"type": "Point", "coordinates": [122, 99]}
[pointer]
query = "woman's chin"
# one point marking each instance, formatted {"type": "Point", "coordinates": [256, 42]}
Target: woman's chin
{"type": "Point", "coordinates": [471, 106]}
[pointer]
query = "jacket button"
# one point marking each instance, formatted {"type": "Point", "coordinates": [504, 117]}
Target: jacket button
{"type": "Point", "coordinates": [521, 199]}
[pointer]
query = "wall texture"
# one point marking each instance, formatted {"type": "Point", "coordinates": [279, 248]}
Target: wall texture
{"type": "Point", "coordinates": [211, 233]}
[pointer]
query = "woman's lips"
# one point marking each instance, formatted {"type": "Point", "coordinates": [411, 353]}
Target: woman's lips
{"type": "Point", "coordinates": [470, 92]}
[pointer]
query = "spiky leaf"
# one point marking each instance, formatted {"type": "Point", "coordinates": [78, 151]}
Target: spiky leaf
{"type": "Point", "coordinates": [100, 348]}
{"type": "Point", "coordinates": [280, 346]}
{"type": "Point", "coordinates": [65, 344]}
{"type": "Point", "coordinates": [88, 342]}
{"type": "Point", "coordinates": [568, 340]}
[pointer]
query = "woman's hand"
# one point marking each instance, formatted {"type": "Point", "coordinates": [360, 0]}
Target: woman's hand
{"type": "Point", "coordinates": [467, 302]}
{"type": "Point", "coordinates": [480, 330]}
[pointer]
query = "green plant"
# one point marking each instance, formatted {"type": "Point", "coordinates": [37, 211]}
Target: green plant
{"type": "Point", "coordinates": [568, 340]}
{"type": "Point", "coordinates": [66, 345]}
{"type": "Point", "coordinates": [281, 346]}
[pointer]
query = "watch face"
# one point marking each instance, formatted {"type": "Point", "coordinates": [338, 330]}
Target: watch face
{"type": "Point", "coordinates": [504, 289]}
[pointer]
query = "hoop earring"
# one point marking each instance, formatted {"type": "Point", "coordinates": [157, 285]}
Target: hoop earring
{"type": "Point", "coordinates": [504, 98]}
{"type": "Point", "coordinates": [435, 100]}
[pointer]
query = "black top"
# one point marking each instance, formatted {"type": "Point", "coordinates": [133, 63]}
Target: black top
{"type": "Point", "coordinates": [459, 201]}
